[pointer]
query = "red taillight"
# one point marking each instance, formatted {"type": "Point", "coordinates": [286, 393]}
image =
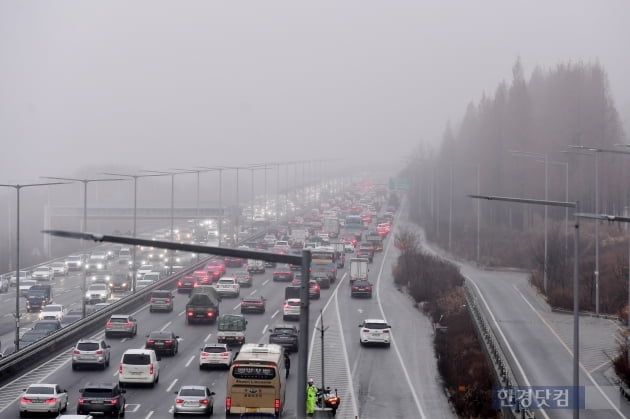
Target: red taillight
{"type": "Point", "coordinates": [168, 341]}
{"type": "Point", "coordinates": [168, 300]}
{"type": "Point", "coordinates": [151, 368]}
{"type": "Point", "coordinates": [76, 352]}
{"type": "Point", "coordinates": [385, 331]}
{"type": "Point", "coordinates": [210, 314]}
{"type": "Point", "coordinates": [81, 400]}
{"type": "Point", "coordinates": [99, 352]}
{"type": "Point", "coordinates": [228, 403]}
{"type": "Point", "coordinates": [368, 288]}
{"type": "Point", "coordinates": [108, 324]}
{"type": "Point", "coordinates": [150, 340]}
{"type": "Point", "coordinates": [355, 288]}
{"type": "Point", "coordinates": [203, 401]}
{"type": "Point", "coordinates": [26, 400]}
{"type": "Point", "coordinates": [366, 330]}
{"type": "Point", "coordinates": [224, 354]}
{"type": "Point", "coordinates": [190, 314]}
{"type": "Point", "coordinates": [128, 324]}
{"type": "Point", "coordinates": [179, 283]}
{"type": "Point", "coordinates": [276, 404]}
{"type": "Point", "coordinates": [179, 400]}
{"type": "Point", "coordinates": [113, 401]}
{"type": "Point", "coordinates": [205, 353]}
{"type": "Point", "coordinates": [286, 306]}
{"type": "Point", "coordinates": [120, 368]}
{"type": "Point", "coordinates": [152, 299]}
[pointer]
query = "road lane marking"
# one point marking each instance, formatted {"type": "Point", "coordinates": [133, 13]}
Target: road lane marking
{"type": "Point", "coordinates": [149, 415]}
{"type": "Point", "coordinates": [192, 358]}
{"type": "Point", "coordinates": [181, 313]}
{"type": "Point", "coordinates": [265, 281]}
{"type": "Point", "coordinates": [265, 329]}
{"type": "Point", "coordinates": [253, 292]}
{"type": "Point", "coordinates": [570, 351]}
{"type": "Point", "coordinates": [207, 337]}
{"type": "Point", "coordinates": [236, 306]}
{"type": "Point", "coordinates": [170, 387]}
{"type": "Point", "coordinates": [275, 314]}
{"type": "Point", "coordinates": [165, 326]}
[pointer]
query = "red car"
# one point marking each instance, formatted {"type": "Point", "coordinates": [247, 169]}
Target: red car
{"type": "Point", "coordinates": [202, 278]}
{"type": "Point", "coordinates": [186, 284]}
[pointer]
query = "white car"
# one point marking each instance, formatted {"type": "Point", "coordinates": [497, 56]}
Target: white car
{"type": "Point", "coordinates": [23, 276]}
{"type": "Point", "coordinates": [376, 331]}
{"type": "Point", "coordinates": [25, 285]}
{"type": "Point", "coordinates": [213, 354]}
{"type": "Point", "coordinates": [142, 270]}
{"type": "Point", "coordinates": [59, 268]}
{"type": "Point", "coordinates": [228, 285]}
{"type": "Point", "coordinates": [291, 309]}
{"type": "Point", "coordinates": [97, 293]}
{"type": "Point", "coordinates": [43, 398]}
{"type": "Point", "coordinates": [43, 273]}
{"type": "Point", "coordinates": [52, 312]}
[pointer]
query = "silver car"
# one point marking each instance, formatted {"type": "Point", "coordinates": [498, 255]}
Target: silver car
{"type": "Point", "coordinates": [43, 398]}
{"type": "Point", "coordinates": [91, 352]}
{"type": "Point", "coordinates": [194, 399]}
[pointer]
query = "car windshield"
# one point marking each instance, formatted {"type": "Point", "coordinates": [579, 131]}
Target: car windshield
{"type": "Point", "coordinates": [98, 287]}
{"type": "Point", "coordinates": [40, 390]}
{"type": "Point", "coordinates": [136, 359]}
{"type": "Point", "coordinates": [214, 349]}
{"type": "Point", "coordinates": [118, 320]}
{"type": "Point", "coordinates": [88, 346]}
{"type": "Point", "coordinates": [160, 335]}
{"type": "Point", "coordinates": [376, 326]}
{"type": "Point", "coordinates": [52, 308]}
{"type": "Point", "coordinates": [31, 337]}
{"type": "Point", "coordinates": [284, 330]}
{"type": "Point", "coordinates": [192, 392]}
{"type": "Point", "coordinates": [45, 326]}
{"type": "Point", "coordinates": [98, 393]}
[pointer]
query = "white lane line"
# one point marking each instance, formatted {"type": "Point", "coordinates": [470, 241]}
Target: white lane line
{"type": "Point", "coordinates": [207, 337]}
{"type": "Point", "coordinates": [170, 387]}
{"type": "Point", "coordinates": [192, 358]}
{"type": "Point", "coordinates": [181, 313]}
{"type": "Point", "coordinates": [236, 307]}
{"type": "Point", "coordinates": [570, 351]}
{"type": "Point", "coordinates": [265, 329]}
{"type": "Point", "coordinates": [149, 415]}
{"type": "Point", "coordinates": [265, 281]}
{"type": "Point", "coordinates": [275, 314]}
{"type": "Point", "coordinates": [115, 374]}
{"type": "Point", "coordinates": [400, 359]}
{"type": "Point", "coordinates": [165, 326]}
{"type": "Point", "coordinates": [253, 292]}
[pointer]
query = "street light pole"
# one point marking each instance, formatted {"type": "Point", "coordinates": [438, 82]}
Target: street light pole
{"type": "Point", "coordinates": [17, 188]}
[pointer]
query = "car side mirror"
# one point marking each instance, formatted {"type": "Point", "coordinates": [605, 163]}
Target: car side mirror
{"type": "Point", "coordinates": [176, 337]}
{"type": "Point", "coordinates": [360, 325]}
{"type": "Point", "coordinates": [159, 358]}
{"type": "Point", "coordinates": [212, 393]}
{"type": "Point", "coordinates": [147, 335]}
{"type": "Point", "coordinates": [175, 392]}
{"type": "Point", "coordinates": [80, 390]}
{"type": "Point", "coordinates": [123, 390]}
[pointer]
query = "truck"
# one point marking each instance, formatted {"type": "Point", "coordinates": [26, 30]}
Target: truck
{"type": "Point", "coordinates": [331, 226]}
{"type": "Point", "coordinates": [340, 250]}
{"type": "Point", "coordinates": [203, 305]}
{"type": "Point", "coordinates": [358, 269]}
{"type": "Point", "coordinates": [38, 296]}
{"type": "Point", "coordinates": [231, 329]}
{"type": "Point", "coordinates": [298, 237]}
{"type": "Point", "coordinates": [376, 239]}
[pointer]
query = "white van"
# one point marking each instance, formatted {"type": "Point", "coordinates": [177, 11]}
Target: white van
{"type": "Point", "coordinates": [139, 366]}
{"type": "Point", "coordinates": [124, 253]}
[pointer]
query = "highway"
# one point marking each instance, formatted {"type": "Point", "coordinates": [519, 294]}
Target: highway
{"type": "Point", "coordinates": [412, 383]}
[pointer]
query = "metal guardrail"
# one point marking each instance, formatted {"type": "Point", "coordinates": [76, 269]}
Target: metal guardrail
{"type": "Point", "coordinates": [494, 352]}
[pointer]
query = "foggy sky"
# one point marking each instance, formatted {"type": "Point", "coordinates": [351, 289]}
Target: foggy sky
{"type": "Point", "coordinates": [156, 84]}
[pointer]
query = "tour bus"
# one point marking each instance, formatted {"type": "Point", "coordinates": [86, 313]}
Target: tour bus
{"type": "Point", "coordinates": [324, 258]}
{"type": "Point", "coordinates": [256, 381]}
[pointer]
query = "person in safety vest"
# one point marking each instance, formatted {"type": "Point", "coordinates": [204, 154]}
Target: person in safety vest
{"type": "Point", "coordinates": [311, 394]}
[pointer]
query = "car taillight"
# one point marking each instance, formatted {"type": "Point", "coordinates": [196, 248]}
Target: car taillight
{"type": "Point", "coordinates": [228, 403]}
{"type": "Point", "coordinates": [150, 340]}
{"type": "Point", "coordinates": [224, 354]}
{"type": "Point", "coordinates": [113, 401]}
{"type": "Point", "coordinates": [355, 287]}
{"type": "Point", "coordinates": [108, 324]}
{"type": "Point", "coordinates": [128, 324]}
{"type": "Point", "coordinates": [385, 331]}
{"type": "Point", "coordinates": [152, 299]}
{"type": "Point", "coordinates": [168, 341]}
{"type": "Point", "coordinates": [368, 288]}
{"type": "Point", "coordinates": [190, 314]}
{"type": "Point", "coordinates": [205, 353]}
{"type": "Point", "coordinates": [76, 352]}
{"type": "Point", "coordinates": [286, 306]}
{"type": "Point", "coordinates": [151, 368]}
{"type": "Point", "coordinates": [81, 400]}
{"type": "Point", "coordinates": [26, 400]}
{"type": "Point", "coordinates": [120, 368]}
{"type": "Point", "coordinates": [366, 330]}
{"type": "Point", "coordinates": [210, 314]}
{"type": "Point", "coordinates": [179, 283]}
{"type": "Point", "coordinates": [179, 400]}
{"type": "Point", "coordinates": [203, 401]}
{"type": "Point", "coordinates": [276, 404]}
{"type": "Point", "coordinates": [99, 352]}
{"type": "Point", "coordinates": [168, 300]}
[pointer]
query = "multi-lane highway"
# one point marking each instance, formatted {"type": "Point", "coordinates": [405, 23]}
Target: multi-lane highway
{"type": "Point", "coordinates": [373, 382]}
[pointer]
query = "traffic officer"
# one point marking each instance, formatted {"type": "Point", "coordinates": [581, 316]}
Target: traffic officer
{"type": "Point", "coordinates": [311, 394]}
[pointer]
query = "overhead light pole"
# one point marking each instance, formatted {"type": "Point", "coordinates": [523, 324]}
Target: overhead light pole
{"type": "Point", "coordinates": [220, 170]}
{"type": "Point", "coordinates": [576, 289]}
{"type": "Point", "coordinates": [18, 188]}
{"type": "Point", "coordinates": [85, 182]}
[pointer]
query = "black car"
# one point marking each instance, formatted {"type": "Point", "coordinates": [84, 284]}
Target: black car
{"type": "Point", "coordinates": [361, 288]}
{"type": "Point", "coordinates": [48, 326]}
{"type": "Point", "coordinates": [32, 336]}
{"type": "Point", "coordinates": [162, 342]}
{"type": "Point", "coordinates": [186, 283]}
{"type": "Point", "coordinates": [285, 335]}
{"type": "Point", "coordinates": [106, 398]}
{"type": "Point", "coordinates": [253, 305]}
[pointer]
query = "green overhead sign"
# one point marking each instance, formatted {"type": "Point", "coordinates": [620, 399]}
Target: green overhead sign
{"type": "Point", "coordinates": [399, 184]}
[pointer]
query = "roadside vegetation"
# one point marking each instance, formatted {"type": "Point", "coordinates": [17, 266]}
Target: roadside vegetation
{"type": "Point", "coordinates": [436, 287]}
{"type": "Point", "coordinates": [499, 148]}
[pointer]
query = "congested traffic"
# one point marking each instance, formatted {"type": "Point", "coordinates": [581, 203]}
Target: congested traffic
{"type": "Point", "coordinates": [214, 307]}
